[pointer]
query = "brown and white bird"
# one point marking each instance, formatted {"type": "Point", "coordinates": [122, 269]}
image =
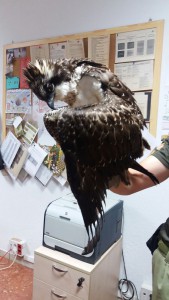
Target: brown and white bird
{"type": "Point", "coordinates": [99, 131]}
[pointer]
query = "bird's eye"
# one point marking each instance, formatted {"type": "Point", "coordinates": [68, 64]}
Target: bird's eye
{"type": "Point", "coordinates": [49, 87]}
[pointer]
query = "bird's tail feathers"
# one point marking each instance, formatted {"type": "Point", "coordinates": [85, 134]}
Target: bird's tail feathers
{"type": "Point", "coordinates": [93, 216]}
{"type": "Point", "coordinates": [146, 144]}
{"type": "Point", "coordinates": [92, 242]}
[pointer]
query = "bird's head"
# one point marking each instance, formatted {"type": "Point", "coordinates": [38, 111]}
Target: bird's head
{"type": "Point", "coordinates": [43, 77]}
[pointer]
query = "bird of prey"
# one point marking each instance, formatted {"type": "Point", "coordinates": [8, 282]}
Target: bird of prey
{"type": "Point", "coordinates": [100, 130]}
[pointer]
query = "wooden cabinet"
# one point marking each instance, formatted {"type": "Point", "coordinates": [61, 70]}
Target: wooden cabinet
{"type": "Point", "coordinates": [59, 276]}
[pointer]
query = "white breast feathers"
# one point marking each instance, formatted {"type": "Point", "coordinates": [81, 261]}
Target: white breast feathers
{"type": "Point", "coordinates": [89, 91]}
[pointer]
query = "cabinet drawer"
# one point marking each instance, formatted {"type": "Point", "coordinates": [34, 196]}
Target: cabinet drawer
{"type": "Point", "coordinates": [61, 276]}
{"type": "Point", "coordinates": [43, 291]}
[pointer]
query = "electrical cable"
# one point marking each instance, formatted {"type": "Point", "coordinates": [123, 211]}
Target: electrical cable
{"type": "Point", "coordinates": [5, 254]}
{"type": "Point", "coordinates": [2, 257]}
{"type": "Point", "coordinates": [1, 269]}
{"type": "Point", "coordinates": [15, 256]}
{"type": "Point", "coordinates": [130, 290]}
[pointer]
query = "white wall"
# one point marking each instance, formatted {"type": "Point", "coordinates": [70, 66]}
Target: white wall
{"type": "Point", "coordinates": [22, 206]}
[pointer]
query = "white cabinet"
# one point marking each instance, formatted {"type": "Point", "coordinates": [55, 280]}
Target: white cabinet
{"type": "Point", "coordinates": [60, 276]}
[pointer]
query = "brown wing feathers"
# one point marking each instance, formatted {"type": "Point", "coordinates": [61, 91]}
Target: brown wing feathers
{"type": "Point", "coordinates": [100, 142]}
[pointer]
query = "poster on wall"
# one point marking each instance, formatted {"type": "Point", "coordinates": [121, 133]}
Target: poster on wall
{"type": "Point", "coordinates": [9, 149]}
{"type": "Point", "coordinates": [58, 50]}
{"type": "Point", "coordinates": [39, 52]}
{"type": "Point", "coordinates": [144, 102]}
{"type": "Point", "coordinates": [20, 52]}
{"type": "Point", "coordinates": [24, 61]}
{"type": "Point", "coordinates": [136, 75]}
{"type": "Point", "coordinates": [18, 162]}
{"type": "Point", "coordinates": [35, 158]}
{"type": "Point", "coordinates": [18, 101]}
{"type": "Point", "coordinates": [75, 48]}
{"type": "Point", "coordinates": [165, 113]}
{"type": "Point", "coordinates": [98, 49]}
{"type": "Point", "coordinates": [135, 45]}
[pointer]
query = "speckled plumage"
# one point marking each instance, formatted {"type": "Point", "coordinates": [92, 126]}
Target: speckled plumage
{"type": "Point", "coordinates": [99, 132]}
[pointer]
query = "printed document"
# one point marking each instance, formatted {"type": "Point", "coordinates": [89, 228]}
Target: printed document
{"type": "Point", "coordinates": [9, 148]}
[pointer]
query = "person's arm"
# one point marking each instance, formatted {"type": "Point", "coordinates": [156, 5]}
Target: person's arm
{"type": "Point", "coordinates": [140, 181]}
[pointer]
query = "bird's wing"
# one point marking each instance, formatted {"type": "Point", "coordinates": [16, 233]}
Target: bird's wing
{"type": "Point", "coordinates": [111, 86]}
{"type": "Point", "coordinates": [110, 82]}
{"type": "Point", "coordinates": [99, 142]}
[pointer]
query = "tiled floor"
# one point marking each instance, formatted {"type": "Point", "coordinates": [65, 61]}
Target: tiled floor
{"type": "Point", "coordinates": [15, 282]}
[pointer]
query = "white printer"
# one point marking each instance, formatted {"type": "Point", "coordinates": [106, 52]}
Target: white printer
{"type": "Point", "coordinates": [64, 228]}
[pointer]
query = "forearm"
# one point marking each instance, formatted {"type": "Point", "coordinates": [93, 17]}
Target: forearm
{"type": "Point", "coordinates": [139, 181]}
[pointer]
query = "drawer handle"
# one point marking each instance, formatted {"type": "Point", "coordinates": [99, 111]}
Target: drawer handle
{"type": "Point", "coordinates": [57, 295]}
{"type": "Point", "coordinates": [80, 281]}
{"type": "Point", "coordinates": [59, 270]}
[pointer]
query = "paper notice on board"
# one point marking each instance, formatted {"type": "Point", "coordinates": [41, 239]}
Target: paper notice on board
{"type": "Point", "coordinates": [98, 49]}
{"type": "Point", "coordinates": [18, 101]}
{"type": "Point", "coordinates": [12, 83]}
{"type": "Point", "coordinates": [165, 113]}
{"type": "Point", "coordinates": [61, 179]}
{"type": "Point", "coordinates": [44, 174]}
{"type": "Point", "coordinates": [29, 133]}
{"type": "Point", "coordinates": [9, 148]}
{"type": "Point", "coordinates": [143, 100]}
{"type": "Point", "coordinates": [135, 45]}
{"type": "Point", "coordinates": [24, 61]}
{"type": "Point", "coordinates": [75, 48]}
{"type": "Point", "coordinates": [58, 50]}
{"type": "Point", "coordinates": [39, 52]}
{"type": "Point", "coordinates": [10, 119]}
{"type": "Point", "coordinates": [136, 75]}
{"type": "Point", "coordinates": [18, 162]}
{"type": "Point", "coordinates": [20, 52]}
{"type": "Point", "coordinates": [34, 160]}
{"type": "Point", "coordinates": [39, 106]}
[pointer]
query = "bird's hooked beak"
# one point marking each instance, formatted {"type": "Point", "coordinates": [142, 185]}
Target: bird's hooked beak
{"type": "Point", "coordinates": [48, 94]}
{"type": "Point", "coordinates": [50, 103]}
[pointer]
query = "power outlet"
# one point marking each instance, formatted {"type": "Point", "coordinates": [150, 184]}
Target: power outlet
{"type": "Point", "coordinates": [17, 246]}
{"type": "Point", "coordinates": [146, 292]}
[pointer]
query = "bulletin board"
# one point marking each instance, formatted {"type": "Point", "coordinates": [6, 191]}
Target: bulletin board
{"type": "Point", "coordinates": [132, 52]}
